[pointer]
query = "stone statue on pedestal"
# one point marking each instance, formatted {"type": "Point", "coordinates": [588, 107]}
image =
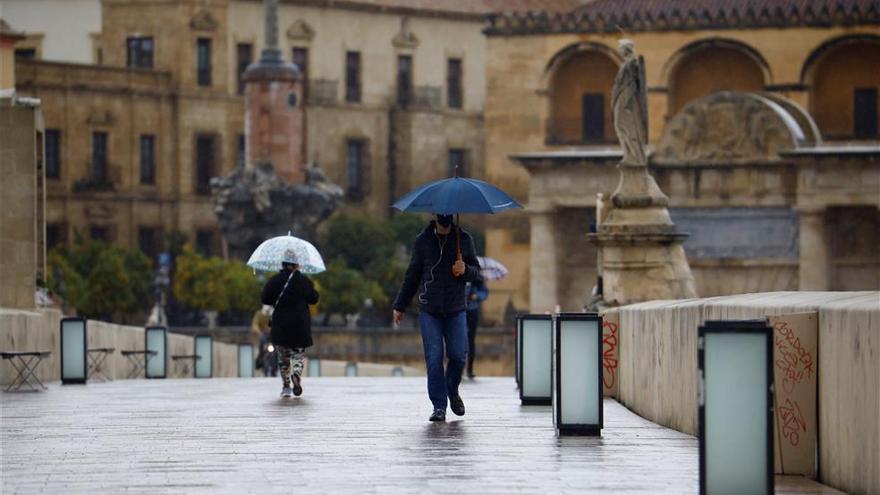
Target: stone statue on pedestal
{"type": "Point", "coordinates": [629, 101]}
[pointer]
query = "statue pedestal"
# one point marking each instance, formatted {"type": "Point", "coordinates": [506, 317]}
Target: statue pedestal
{"type": "Point", "coordinates": [643, 266]}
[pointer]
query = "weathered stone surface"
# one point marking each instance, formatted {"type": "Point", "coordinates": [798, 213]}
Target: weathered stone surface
{"type": "Point", "coordinates": [255, 204]}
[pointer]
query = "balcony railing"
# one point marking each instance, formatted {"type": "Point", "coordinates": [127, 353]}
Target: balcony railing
{"type": "Point", "coordinates": [570, 131]}
{"type": "Point", "coordinates": [96, 181]}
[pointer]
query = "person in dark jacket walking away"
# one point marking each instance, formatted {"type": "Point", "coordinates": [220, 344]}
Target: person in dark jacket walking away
{"type": "Point", "coordinates": [476, 292]}
{"type": "Point", "coordinates": [438, 276]}
{"type": "Point", "coordinates": [290, 292]}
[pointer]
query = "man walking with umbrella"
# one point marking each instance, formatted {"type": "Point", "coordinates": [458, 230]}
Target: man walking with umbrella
{"type": "Point", "coordinates": [443, 262]}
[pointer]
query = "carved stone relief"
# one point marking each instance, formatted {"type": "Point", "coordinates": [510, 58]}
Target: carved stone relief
{"type": "Point", "coordinates": [203, 21]}
{"type": "Point", "coordinates": [300, 30]}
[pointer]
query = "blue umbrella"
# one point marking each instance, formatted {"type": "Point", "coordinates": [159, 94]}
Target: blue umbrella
{"type": "Point", "coordinates": [456, 195]}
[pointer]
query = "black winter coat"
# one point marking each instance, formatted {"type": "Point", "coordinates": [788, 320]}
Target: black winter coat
{"type": "Point", "coordinates": [291, 321]}
{"type": "Point", "coordinates": [430, 273]}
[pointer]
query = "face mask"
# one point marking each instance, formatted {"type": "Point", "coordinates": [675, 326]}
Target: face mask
{"type": "Point", "coordinates": [444, 220]}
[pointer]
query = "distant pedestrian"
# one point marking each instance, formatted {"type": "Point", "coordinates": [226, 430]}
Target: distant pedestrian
{"type": "Point", "coordinates": [476, 294]}
{"type": "Point", "coordinates": [290, 292]}
{"type": "Point", "coordinates": [439, 275]}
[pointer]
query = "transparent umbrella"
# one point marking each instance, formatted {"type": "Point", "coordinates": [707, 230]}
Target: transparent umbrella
{"type": "Point", "coordinates": [286, 249]}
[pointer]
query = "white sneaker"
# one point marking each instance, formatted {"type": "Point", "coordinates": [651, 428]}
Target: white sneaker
{"type": "Point", "coordinates": [286, 392]}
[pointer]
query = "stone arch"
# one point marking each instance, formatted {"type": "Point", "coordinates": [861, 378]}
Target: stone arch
{"type": "Point", "coordinates": [731, 127]}
{"type": "Point", "coordinates": [692, 72]}
{"type": "Point", "coordinates": [578, 81]}
{"type": "Point", "coordinates": [833, 73]}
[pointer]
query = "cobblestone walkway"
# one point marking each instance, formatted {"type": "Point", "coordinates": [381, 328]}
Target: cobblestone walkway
{"type": "Point", "coordinates": [345, 435]}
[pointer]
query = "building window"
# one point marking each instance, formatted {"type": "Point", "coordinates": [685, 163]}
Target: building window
{"type": "Point", "coordinates": [454, 94]}
{"type": "Point", "coordinates": [353, 77]}
{"type": "Point", "coordinates": [99, 157]}
{"type": "Point", "coordinates": [205, 162]}
{"type": "Point", "coordinates": [53, 153]}
{"type": "Point", "coordinates": [205, 242]}
{"type": "Point", "coordinates": [593, 117]}
{"type": "Point", "coordinates": [457, 157]}
{"type": "Point", "coordinates": [148, 159]}
{"type": "Point", "coordinates": [245, 57]}
{"type": "Point", "coordinates": [355, 167]}
{"type": "Point", "coordinates": [100, 233]}
{"type": "Point", "coordinates": [148, 241]}
{"type": "Point", "coordinates": [203, 61]}
{"type": "Point", "coordinates": [241, 157]}
{"type": "Point", "coordinates": [865, 113]}
{"type": "Point", "coordinates": [301, 59]}
{"type": "Point", "coordinates": [25, 53]}
{"type": "Point", "coordinates": [140, 52]}
{"type": "Point", "coordinates": [55, 235]}
{"type": "Point", "coordinates": [404, 79]}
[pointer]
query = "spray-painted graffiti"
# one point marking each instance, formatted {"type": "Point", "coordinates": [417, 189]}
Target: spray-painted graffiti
{"type": "Point", "coordinates": [609, 354]}
{"type": "Point", "coordinates": [792, 421]}
{"type": "Point", "coordinates": [792, 359]}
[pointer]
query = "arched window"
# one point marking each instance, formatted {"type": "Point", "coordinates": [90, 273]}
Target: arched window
{"type": "Point", "coordinates": [580, 97]}
{"type": "Point", "coordinates": [843, 77]}
{"type": "Point", "coordinates": [705, 67]}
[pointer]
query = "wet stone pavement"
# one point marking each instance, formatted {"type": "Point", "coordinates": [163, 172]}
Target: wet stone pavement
{"type": "Point", "coordinates": [344, 435]}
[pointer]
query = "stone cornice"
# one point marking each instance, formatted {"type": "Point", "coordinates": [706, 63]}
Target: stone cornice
{"type": "Point", "coordinates": [583, 21]}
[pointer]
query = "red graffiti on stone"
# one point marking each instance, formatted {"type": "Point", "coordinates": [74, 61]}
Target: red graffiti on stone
{"type": "Point", "coordinates": [609, 346]}
{"type": "Point", "coordinates": [793, 423]}
{"type": "Point", "coordinates": [792, 359]}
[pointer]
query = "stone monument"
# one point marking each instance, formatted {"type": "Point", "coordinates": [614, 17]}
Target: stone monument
{"type": "Point", "coordinates": [275, 191]}
{"type": "Point", "coordinates": [641, 256]}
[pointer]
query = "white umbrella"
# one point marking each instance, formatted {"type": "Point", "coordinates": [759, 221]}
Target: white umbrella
{"type": "Point", "coordinates": [491, 269]}
{"type": "Point", "coordinates": [286, 249]}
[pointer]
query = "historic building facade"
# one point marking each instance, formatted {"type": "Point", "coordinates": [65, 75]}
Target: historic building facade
{"type": "Point", "coordinates": [786, 211]}
{"type": "Point", "coordinates": [394, 94]}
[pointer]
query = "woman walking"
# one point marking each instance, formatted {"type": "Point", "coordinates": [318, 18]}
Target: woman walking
{"type": "Point", "coordinates": [290, 292]}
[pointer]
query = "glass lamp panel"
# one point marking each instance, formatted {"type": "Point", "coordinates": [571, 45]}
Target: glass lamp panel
{"type": "Point", "coordinates": [156, 342]}
{"type": "Point", "coordinates": [203, 348]}
{"type": "Point", "coordinates": [73, 347]}
{"type": "Point", "coordinates": [735, 371]}
{"type": "Point", "coordinates": [536, 358]}
{"type": "Point", "coordinates": [245, 361]}
{"type": "Point", "coordinates": [579, 371]}
{"type": "Point", "coordinates": [314, 367]}
{"type": "Point", "coordinates": [351, 369]}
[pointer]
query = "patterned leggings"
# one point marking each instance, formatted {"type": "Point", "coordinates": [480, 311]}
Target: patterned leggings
{"type": "Point", "coordinates": [287, 354]}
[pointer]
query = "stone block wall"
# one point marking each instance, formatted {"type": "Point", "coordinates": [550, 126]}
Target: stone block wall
{"type": "Point", "coordinates": [658, 370]}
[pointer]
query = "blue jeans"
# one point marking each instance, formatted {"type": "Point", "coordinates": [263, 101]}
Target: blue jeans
{"type": "Point", "coordinates": [450, 330]}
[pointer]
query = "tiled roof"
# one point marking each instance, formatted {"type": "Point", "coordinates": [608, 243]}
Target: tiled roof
{"type": "Point", "coordinates": [475, 9]}
{"type": "Point", "coordinates": [661, 15]}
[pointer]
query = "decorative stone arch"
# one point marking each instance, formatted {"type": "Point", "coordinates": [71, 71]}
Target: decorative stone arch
{"type": "Point", "coordinates": [837, 74]}
{"type": "Point", "coordinates": [678, 60]}
{"type": "Point", "coordinates": [731, 127]}
{"type": "Point", "coordinates": [570, 121]}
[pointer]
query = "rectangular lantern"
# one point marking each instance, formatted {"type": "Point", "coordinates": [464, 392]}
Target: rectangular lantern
{"type": "Point", "coordinates": [735, 363]}
{"type": "Point", "coordinates": [74, 350]}
{"type": "Point", "coordinates": [245, 361]}
{"type": "Point", "coordinates": [314, 368]}
{"type": "Point", "coordinates": [204, 349]}
{"type": "Point", "coordinates": [577, 374]}
{"type": "Point", "coordinates": [351, 369]}
{"type": "Point", "coordinates": [518, 346]}
{"type": "Point", "coordinates": [536, 354]}
{"type": "Point", "coordinates": [156, 340]}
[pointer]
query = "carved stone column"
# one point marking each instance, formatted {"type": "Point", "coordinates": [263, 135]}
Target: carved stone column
{"type": "Point", "coordinates": [814, 272]}
{"type": "Point", "coordinates": [543, 269]}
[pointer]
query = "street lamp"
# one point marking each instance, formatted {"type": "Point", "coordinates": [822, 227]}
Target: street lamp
{"type": "Point", "coordinates": [314, 367]}
{"type": "Point", "coordinates": [155, 340]}
{"type": "Point", "coordinates": [518, 346]}
{"type": "Point", "coordinates": [577, 374]}
{"type": "Point", "coordinates": [735, 363]}
{"type": "Point", "coordinates": [74, 351]}
{"type": "Point", "coordinates": [351, 369]}
{"type": "Point", "coordinates": [535, 342]}
{"type": "Point", "coordinates": [204, 351]}
{"type": "Point", "coordinates": [245, 361]}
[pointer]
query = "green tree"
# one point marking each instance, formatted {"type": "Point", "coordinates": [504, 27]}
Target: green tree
{"type": "Point", "coordinates": [388, 274]}
{"type": "Point", "coordinates": [200, 282]}
{"type": "Point", "coordinates": [406, 227]}
{"type": "Point", "coordinates": [357, 241]}
{"type": "Point", "coordinates": [101, 281]}
{"type": "Point", "coordinates": [344, 290]}
{"type": "Point", "coordinates": [242, 286]}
